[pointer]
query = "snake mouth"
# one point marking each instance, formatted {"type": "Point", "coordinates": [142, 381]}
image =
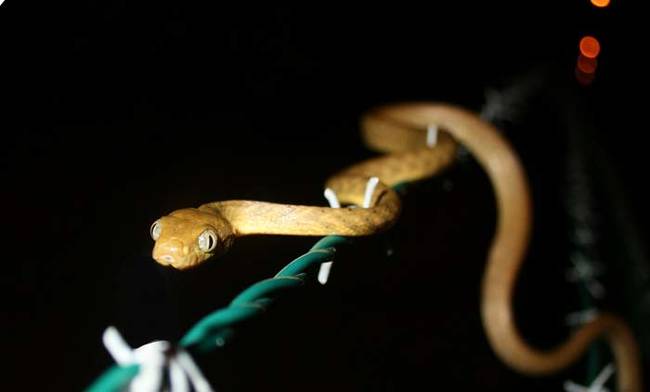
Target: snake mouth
{"type": "Point", "coordinates": [169, 260]}
{"type": "Point", "coordinates": [166, 259]}
{"type": "Point", "coordinates": [171, 252]}
{"type": "Point", "coordinates": [174, 259]}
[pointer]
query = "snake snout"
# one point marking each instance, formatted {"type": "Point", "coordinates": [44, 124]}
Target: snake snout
{"type": "Point", "coordinates": [169, 252]}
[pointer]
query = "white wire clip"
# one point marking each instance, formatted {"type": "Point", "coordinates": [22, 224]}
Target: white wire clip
{"type": "Point", "coordinates": [370, 189]}
{"type": "Point", "coordinates": [331, 197]}
{"type": "Point", "coordinates": [333, 200]}
{"type": "Point", "coordinates": [494, 106]}
{"type": "Point", "coordinates": [324, 272]}
{"type": "Point", "coordinates": [325, 268]}
{"type": "Point", "coordinates": [153, 358]}
{"type": "Point", "coordinates": [598, 385]}
{"type": "Point", "coordinates": [585, 271]}
{"type": "Point", "coordinates": [432, 135]}
{"type": "Point", "coordinates": [581, 317]}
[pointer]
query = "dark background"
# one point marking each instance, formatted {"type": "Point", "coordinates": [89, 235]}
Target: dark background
{"type": "Point", "coordinates": [115, 113]}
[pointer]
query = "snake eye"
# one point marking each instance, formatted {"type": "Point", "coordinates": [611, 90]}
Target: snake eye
{"type": "Point", "coordinates": [207, 241]}
{"type": "Point", "coordinates": [155, 230]}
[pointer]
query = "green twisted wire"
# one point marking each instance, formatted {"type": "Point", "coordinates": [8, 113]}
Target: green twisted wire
{"type": "Point", "coordinates": [214, 329]}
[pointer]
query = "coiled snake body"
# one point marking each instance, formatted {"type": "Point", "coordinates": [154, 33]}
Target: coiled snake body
{"type": "Point", "coordinates": [190, 236]}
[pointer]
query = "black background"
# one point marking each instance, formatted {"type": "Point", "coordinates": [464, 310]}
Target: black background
{"type": "Point", "coordinates": [114, 113]}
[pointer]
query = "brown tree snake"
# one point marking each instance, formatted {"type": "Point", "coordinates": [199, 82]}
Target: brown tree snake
{"type": "Point", "coordinates": [187, 237]}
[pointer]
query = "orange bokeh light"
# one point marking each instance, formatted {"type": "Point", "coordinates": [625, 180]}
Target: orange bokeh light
{"type": "Point", "coordinates": [587, 65]}
{"type": "Point", "coordinates": [589, 47]}
{"type": "Point", "coordinates": [600, 3]}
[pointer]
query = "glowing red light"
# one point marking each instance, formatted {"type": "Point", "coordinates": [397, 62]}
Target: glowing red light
{"type": "Point", "coordinates": [586, 64]}
{"type": "Point", "coordinates": [589, 46]}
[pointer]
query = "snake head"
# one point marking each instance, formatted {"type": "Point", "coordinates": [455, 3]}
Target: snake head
{"type": "Point", "coordinates": [186, 238]}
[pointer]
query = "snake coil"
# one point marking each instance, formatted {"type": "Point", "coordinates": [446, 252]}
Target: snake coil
{"type": "Point", "coordinates": [187, 237]}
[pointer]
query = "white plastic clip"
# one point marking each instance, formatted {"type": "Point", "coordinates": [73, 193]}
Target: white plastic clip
{"type": "Point", "coordinates": [598, 385]}
{"type": "Point", "coordinates": [153, 358]}
{"type": "Point", "coordinates": [494, 106]}
{"type": "Point", "coordinates": [370, 189]}
{"type": "Point", "coordinates": [333, 200]}
{"type": "Point", "coordinates": [432, 135]}
{"type": "Point", "coordinates": [331, 197]}
{"type": "Point", "coordinates": [324, 271]}
{"type": "Point", "coordinates": [581, 317]}
{"type": "Point", "coordinates": [585, 271]}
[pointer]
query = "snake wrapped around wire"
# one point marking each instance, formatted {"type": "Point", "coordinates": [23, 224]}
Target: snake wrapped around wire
{"type": "Point", "coordinates": [188, 237]}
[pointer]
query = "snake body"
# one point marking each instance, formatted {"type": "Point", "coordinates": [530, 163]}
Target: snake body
{"type": "Point", "coordinates": [190, 236]}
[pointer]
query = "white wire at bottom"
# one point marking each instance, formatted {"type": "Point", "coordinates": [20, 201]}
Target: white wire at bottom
{"type": "Point", "coordinates": [598, 385]}
{"type": "Point", "coordinates": [153, 358]}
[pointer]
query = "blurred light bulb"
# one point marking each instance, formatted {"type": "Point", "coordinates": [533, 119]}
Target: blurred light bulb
{"type": "Point", "coordinates": [586, 64]}
{"type": "Point", "coordinates": [600, 3]}
{"type": "Point", "coordinates": [589, 46]}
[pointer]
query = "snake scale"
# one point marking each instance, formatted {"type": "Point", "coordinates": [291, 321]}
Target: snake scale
{"type": "Point", "coordinates": [187, 237]}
